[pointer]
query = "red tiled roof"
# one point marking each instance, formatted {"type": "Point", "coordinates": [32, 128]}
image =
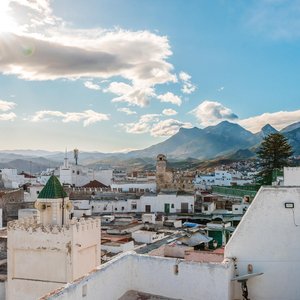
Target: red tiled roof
{"type": "Point", "coordinates": [95, 184]}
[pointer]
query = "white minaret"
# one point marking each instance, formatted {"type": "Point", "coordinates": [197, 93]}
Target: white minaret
{"type": "Point", "coordinates": [48, 252]}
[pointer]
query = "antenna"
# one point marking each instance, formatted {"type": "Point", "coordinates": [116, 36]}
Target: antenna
{"type": "Point", "coordinates": [76, 152]}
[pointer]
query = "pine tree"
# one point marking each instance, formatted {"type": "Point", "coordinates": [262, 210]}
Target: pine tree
{"type": "Point", "coordinates": [274, 153]}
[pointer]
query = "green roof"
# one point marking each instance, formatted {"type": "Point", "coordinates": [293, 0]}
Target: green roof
{"type": "Point", "coordinates": [52, 190]}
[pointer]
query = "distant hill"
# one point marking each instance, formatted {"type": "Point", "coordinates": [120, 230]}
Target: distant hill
{"type": "Point", "coordinates": [227, 140]}
{"type": "Point", "coordinates": [204, 143]}
{"type": "Point", "coordinates": [291, 127]}
{"type": "Point", "coordinates": [30, 165]}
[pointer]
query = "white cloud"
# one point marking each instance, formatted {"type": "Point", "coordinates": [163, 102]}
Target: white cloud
{"type": "Point", "coordinates": [88, 116]}
{"type": "Point", "coordinates": [127, 111]}
{"type": "Point", "coordinates": [7, 105]}
{"type": "Point", "coordinates": [221, 89]}
{"type": "Point", "coordinates": [168, 127]}
{"type": "Point", "coordinates": [143, 125]}
{"type": "Point", "coordinates": [279, 120]}
{"type": "Point", "coordinates": [187, 86]}
{"type": "Point", "coordinates": [133, 95]}
{"type": "Point", "coordinates": [43, 47]}
{"type": "Point", "coordinates": [8, 116]}
{"type": "Point", "coordinates": [150, 123]}
{"type": "Point", "coordinates": [169, 112]}
{"type": "Point", "coordinates": [91, 85]}
{"type": "Point", "coordinates": [184, 76]}
{"type": "Point", "coordinates": [170, 97]}
{"type": "Point", "coordinates": [212, 112]}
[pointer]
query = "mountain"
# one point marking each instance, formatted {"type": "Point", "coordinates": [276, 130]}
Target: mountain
{"type": "Point", "coordinates": [265, 131]}
{"type": "Point", "coordinates": [291, 127]}
{"type": "Point", "coordinates": [202, 143]}
{"type": "Point", "coordinates": [225, 140]}
{"type": "Point", "coordinates": [31, 165]}
{"type": "Point", "coordinates": [293, 137]}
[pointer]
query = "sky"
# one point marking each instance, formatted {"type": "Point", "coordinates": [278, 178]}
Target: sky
{"type": "Point", "coordinates": [116, 75]}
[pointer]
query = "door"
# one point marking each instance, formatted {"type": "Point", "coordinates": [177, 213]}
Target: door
{"type": "Point", "coordinates": [148, 208]}
{"type": "Point", "coordinates": [167, 208]}
{"type": "Point", "coordinates": [184, 207]}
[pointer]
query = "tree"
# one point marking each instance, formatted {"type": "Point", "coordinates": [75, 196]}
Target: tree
{"type": "Point", "coordinates": [274, 153]}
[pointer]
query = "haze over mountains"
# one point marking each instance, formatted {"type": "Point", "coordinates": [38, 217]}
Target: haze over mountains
{"type": "Point", "coordinates": [222, 140]}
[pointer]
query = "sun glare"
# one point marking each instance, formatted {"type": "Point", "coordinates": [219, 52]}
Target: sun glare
{"type": "Point", "coordinates": [7, 24]}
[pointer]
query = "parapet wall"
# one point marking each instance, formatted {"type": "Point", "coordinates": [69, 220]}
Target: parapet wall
{"type": "Point", "coordinates": [168, 277]}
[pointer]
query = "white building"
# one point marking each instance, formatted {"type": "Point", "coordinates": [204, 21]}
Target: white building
{"type": "Point", "coordinates": [165, 203]}
{"type": "Point", "coordinates": [77, 175]}
{"type": "Point", "coordinates": [263, 255]}
{"type": "Point", "coordinates": [47, 253]}
{"type": "Point", "coordinates": [134, 186]}
{"type": "Point", "coordinates": [221, 178]}
{"type": "Point", "coordinates": [11, 179]}
{"type": "Point", "coordinates": [291, 176]}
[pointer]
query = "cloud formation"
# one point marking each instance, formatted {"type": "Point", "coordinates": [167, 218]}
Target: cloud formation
{"type": "Point", "coordinates": [42, 47]}
{"type": "Point", "coordinates": [150, 123]}
{"type": "Point", "coordinates": [127, 111]}
{"type": "Point", "coordinates": [88, 116]}
{"type": "Point", "coordinates": [170, 97]}
{"type": "Point", "coordinates": [133, 95]}
{"type": "Point", "coordinates": [169, 112]}
{"type": "Point", "coordinates": [188, 87]}
{"type": "Point", "coordinates": [278, 119]}
{"type": "Point", "coordinates": [7, 105]}
{"type": "Point", "coordinates": [212, 112]}
{"type": "Point", "coordinates": [168, 127]}
{"type": "Point", "coordinates": [8, 116]}
{"type": "Point", "coordinates": [92, 86]}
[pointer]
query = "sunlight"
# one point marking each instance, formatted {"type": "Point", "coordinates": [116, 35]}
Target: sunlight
{"type": "Point", "coordinates": [7, 23]}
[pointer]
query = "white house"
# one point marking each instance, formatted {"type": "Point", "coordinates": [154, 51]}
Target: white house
{"type": "Point", "coordinates": [262, 257]}
{"type": "Point", "coordinates": [78, 176]}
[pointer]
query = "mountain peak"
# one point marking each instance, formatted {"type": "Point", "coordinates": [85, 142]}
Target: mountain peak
{"type": "Point", "coordinates": [268, 129]}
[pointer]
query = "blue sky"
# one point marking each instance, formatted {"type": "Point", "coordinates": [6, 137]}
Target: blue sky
{"type": "Point", "coordinates": [115, 75]}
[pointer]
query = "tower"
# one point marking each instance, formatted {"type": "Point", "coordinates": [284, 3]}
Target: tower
{"type": "Point", "coordinates": [161, 163]}
{"type": "Point", "coordinates": [52, 250]}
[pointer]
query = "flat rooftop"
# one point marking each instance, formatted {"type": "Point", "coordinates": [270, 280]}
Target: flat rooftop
{"type": "Point", "coordinates": [134, 295]}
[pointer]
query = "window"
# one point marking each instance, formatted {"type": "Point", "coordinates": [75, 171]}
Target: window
{"type": "Point", "coordinates": [37, 192]}
{"type": "Point", "coordinates": [123, 207]}
{"type": "Point", "coordinates": [133, 206]}
{"type": "Point", "coordinates": [205, 208]}
{"type": "Point", "coordinates": [172, 205]}
{"type": "Point", "coordinates": [77, 172]}
{"type": "Point", "coordinates": [116, 208]}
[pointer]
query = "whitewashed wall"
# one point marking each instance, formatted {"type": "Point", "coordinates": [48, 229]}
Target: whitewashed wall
{"type": "Point", "coordinates": [268, 239]}
{"type": "Point", "coordinates": [155, 275]}
{"type": "Point", "coordinates": [291, 176]}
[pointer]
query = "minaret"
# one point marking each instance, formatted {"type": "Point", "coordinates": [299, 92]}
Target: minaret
{"type": "Point", "coordinates": [66, 162]}
{"type": "Point", "coordinates": [52, 250]}
{"type": "Point", "coordinates": [53, 204]}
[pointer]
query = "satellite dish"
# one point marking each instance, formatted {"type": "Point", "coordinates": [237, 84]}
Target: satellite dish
{"type": "Point", "coordinates": [69, 206]}
{"type": "Point", "coordinates": [40, 206]}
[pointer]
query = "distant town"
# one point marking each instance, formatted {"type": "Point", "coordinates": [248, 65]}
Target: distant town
{"type": "Point", "coordinates": [85, 225]}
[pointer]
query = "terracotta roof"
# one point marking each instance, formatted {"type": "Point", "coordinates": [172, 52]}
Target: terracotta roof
{"type": "Point", "coordinates": [95, 184]}
{"type": "Point", "coordinates": [52, 190]}
{"type": "Point", "coordinates": [26, 175]}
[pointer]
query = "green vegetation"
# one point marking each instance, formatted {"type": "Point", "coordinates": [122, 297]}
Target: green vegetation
{"type": "Point", "coordinates": [274, 153]}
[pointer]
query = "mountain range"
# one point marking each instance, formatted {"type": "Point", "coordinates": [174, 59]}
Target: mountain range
{"type": "Point", "coordinates": [225, 140]}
